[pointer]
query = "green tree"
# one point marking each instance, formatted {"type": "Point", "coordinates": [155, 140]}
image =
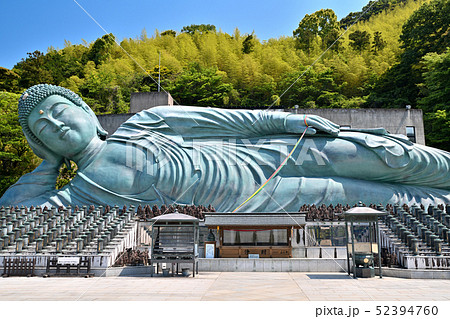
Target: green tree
{"type": "Point", "coordinates": [100, 92]}
{"type": "Point", "coordinates": [328, 27]}
{"type": "Point", "coordinates": [436, 86]}
{"type": "Point", "coordinates": [435, 100]}
{"type": "Point", "coordinates": [9, 80]}
{"type": "Point", "coordinates": [437, 133]}
{"type": "Point", "coordinates": [100, 49]}
{"type": "Point", "coordinates": [171, 33]}
{"type": "Point", "coordinates": [369, 10]}
{"type": "Point", "coordinates": [199, 28]}
{"type": "Point", "coordinates": [33, 70]}
{"type": "Point", "coordinates": [201, 86]}
{"type": "Point", "coordinates": [332, 39]}
{"type": "Point", "coordinates": [105, 76]}
{"type": "Point", "coordinates": [248, 44]}
{"type": "Point", "coordinates": [313, 89]}
{"type": "Point", "coordinates": [260, 94]}
{"type": "Point", "coordinates": [322, 23]}
{"type": "Point", "coordinates": [16, 158]}
{"type": "Point", "coordinates": [427, 30]}
{"type": "Point", "coordinates": [378, 43]}
{"type": "Point", "coordinates": [360, 40]}
{"type": "Point", "coordinates": [56, 65]}
{"type": "Point", "coordinates": [147, 84]}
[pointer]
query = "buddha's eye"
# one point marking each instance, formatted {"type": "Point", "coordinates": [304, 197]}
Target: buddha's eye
{"type": "Point", "coordinates": [59, 109]}
{"type": "Point", "coordinates": [41, 127]}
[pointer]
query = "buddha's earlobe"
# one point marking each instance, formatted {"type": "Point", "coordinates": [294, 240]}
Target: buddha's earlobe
{"type": "Point", "coordinates": [101, 133]}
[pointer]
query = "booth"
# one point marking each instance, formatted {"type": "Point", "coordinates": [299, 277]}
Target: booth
{"type": "Point", "coordinates": [254, 235]}
{"type": "Point", "coordinates": [363, 241]}
{"type": "Point", "coordinates": [174, 241]}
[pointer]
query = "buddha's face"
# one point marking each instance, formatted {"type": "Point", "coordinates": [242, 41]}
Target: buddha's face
{"type": "Point", "coordinates": [62, 126]}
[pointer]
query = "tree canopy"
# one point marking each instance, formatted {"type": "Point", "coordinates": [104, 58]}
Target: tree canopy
{"type": "Point", "coordinates": [321, 25]}
{"type": "Point", "coordinates": [251, 70]}
{"type": "Point", "coordinates": [16, 157]}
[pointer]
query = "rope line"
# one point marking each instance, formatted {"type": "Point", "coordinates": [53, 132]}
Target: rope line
{"type": "Point", "coordinates": [277, 170]}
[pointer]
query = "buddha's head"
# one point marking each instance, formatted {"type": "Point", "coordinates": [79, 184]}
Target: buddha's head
{"type": "Point", "coordinates": [57, 122]}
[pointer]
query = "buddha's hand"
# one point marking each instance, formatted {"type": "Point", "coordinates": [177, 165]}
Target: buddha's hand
{"type": "Point", "coordinates": [51, 159]}
{"type": "Point", "coordinates": [297, 123]}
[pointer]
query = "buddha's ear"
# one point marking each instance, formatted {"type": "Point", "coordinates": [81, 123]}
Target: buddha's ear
{"type": "Point", "coordinates": [101, 132]}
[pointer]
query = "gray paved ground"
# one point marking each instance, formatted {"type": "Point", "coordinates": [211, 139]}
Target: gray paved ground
{"type": "Point", "coordinates": [225, 286]}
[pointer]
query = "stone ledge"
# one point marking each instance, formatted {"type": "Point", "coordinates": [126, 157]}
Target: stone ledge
{"type": "Point", "coordinates": [414, 273]}
{"type": "Point", "coordinates": [272, 265]}
{"type": "Point", "coordinates": [311, 265]}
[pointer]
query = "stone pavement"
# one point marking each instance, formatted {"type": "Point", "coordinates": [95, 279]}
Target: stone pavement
{"type": "Point", "coordinates": [230, 286]}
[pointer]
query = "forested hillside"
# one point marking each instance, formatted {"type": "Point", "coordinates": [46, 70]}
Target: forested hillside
{"type": "Point", "coordinates": [395, 55]}
{"type": "Point", "coordinates": [203, 66]}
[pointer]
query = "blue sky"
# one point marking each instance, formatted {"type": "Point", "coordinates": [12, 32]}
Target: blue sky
{"type": "Point", "coordinates": [29, 25]}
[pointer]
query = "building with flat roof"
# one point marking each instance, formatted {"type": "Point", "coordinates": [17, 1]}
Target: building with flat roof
{"type": "Point", "coordinates": [408, 122]}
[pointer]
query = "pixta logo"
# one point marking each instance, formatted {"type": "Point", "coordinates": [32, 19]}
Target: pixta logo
{"type": "Point", "coordinates": [148, 154]}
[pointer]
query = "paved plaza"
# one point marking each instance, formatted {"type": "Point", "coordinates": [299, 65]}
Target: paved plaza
{"type": "Point", "coordinates": [225, 286]}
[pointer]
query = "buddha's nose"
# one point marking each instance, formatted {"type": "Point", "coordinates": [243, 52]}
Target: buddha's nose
{"type": "Point", "coordinates": [57, 125]}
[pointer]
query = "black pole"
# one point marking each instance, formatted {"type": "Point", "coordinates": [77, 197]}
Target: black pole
{"type": "Point", "coordinates": [346, 244]}
{"type": "Point", "coordinates": [379, 249]}
{"type": "Point", "coordinates": [353, 249]}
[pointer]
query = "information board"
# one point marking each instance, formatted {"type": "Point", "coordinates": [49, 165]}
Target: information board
{"type": "Point", "coordinates": [68, 260]}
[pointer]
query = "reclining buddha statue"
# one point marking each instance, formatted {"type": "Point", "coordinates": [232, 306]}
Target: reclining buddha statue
{"type": "Point", "coordinates": [201, 156]}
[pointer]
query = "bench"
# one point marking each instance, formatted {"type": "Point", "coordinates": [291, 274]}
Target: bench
{"type": "Point", "coordinates": [68, 267]}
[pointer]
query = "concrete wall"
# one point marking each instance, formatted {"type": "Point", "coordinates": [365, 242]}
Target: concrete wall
{"type": "Point", "coordinates": [246, 265]}
{"type": "Point", "coordinates": [394, 121]}
{"type": "Point", "coordinates": [139, 102]}
{"type": "Point", "coordinates": [111, 122]}
{"type": "Point", "coordinates": [206, 265]}
{"type": "Point", "coordinates": [273, 265]}
{"type": "Point", "coordinates": [145, 100]}
{"type": "Point", "coordinates": [414, 273]}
